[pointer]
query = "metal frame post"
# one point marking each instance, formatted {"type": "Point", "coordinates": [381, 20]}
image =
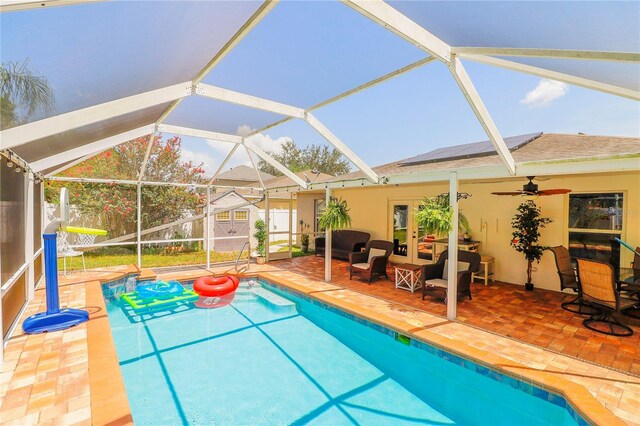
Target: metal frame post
{"type": "Point", "coordinates": [29, 231]}
{"type": "Point", "coordinates": [452, 280]}
{"type": "Point", "coordinates": [266, 223]}
{"type": "Point", "coordinates": [291, 225]}
{"type": "Point", "coordinates": [208, 229]}
{"type": "Point", "coordinates": [139, 225]}
{"type": "Point", "coordinates": [327, 242]}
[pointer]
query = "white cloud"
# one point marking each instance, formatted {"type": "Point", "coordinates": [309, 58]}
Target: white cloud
{"type": "Point", "coordinates": [545, 92]}
{"type": "Point", "coordinates": [267, 143]}
{"type": "Point", "coordinates": [220, 150]}
{"type": "Point", "coordinates": [209, 163]}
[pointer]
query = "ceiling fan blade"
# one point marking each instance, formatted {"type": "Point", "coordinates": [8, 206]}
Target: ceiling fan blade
{"type": "Point", "coordinates": [554, 191]}
{"type": "Point", "coordinates": [509, 193]}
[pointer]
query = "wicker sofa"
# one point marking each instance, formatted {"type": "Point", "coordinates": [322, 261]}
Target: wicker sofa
{"type": "Point", "coordinates": [343, 243]}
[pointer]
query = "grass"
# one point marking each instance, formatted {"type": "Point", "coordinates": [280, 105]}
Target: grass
{"type": "Point", "coordinates": [148, 260]}
{"type": "Point", "coordinates": [296, 251]}
{"type": "Point", "coordinates": [94, 260]}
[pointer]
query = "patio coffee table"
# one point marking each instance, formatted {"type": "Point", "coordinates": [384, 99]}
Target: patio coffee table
{"type": "Point", "coordinates": [408, 276]}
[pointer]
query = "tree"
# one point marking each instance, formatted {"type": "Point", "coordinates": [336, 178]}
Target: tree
{"type": "Point", "coordinates": [22, 94]}
{"type": "Point", "coordinates": [526, 233]}
{"type": "Point", "coordinates": [313, 157]}
{"type": "Point", "coordinates": [114, 204]}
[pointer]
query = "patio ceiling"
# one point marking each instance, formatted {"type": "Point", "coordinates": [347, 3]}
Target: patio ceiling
{"type": "Point", "coordinates": [123, 78]}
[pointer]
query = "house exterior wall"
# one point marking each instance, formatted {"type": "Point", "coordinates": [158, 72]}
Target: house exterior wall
{"type": "Point", "coordinates": [370, 212]}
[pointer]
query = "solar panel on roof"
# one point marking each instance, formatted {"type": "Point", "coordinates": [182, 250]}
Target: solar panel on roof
{"type": "Point", "coordinates": [469, 150]}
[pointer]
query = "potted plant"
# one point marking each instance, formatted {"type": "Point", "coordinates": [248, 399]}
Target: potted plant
{"type": "Point", "coordinates": [304, 236]}
{"type": "Point", "coordinates": [335, 216]}
{"type": "Point", "coordinates": [435, 216]}
{"type": "Point", "coordinates": [526, 233]}
{"type": "Point", "coordinates": [261, 236]}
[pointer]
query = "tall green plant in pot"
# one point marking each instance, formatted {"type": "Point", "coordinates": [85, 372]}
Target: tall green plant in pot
{"type": "Point", "coordinates": [261, 235]}
{"type": "Point", "coordinates": [335, 216]}
{"type": "Point", "coordinates": [527, 224]}
{"type": "Point", "coordinates": [435, 216]}
{"type": "Point", "coordinates": [304, 236]}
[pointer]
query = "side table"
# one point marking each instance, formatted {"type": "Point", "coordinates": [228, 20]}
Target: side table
{"type": "Point", "coordinates": [485, 271]}
{"type": "Point", "coordinates": [408, 276]}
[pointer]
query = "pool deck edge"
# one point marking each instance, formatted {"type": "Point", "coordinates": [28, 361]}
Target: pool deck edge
{"type": "Point", "coordinates": [109, 402]}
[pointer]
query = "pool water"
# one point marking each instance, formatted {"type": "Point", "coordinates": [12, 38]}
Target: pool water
{"type": "Point", "coordinates": [274, 358]}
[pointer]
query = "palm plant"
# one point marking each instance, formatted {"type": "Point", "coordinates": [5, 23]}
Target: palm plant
{"type": "Point", "coordinates": [261, 235]}
{"type": "Point", "coordinates": [22, 94]}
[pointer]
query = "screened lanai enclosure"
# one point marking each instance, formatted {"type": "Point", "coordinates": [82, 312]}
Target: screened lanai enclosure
{"type": "Point", "coordinates": [231, 76]}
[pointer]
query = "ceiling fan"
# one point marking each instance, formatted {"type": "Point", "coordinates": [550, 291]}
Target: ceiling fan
{"type": "Point", "coordinates": [531, 189]}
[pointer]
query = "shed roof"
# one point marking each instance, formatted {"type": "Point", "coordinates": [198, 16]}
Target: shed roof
{"type": "Point", "coordinates": [307, 175]}
{"type": "Point", "coordinates": [243, 173]}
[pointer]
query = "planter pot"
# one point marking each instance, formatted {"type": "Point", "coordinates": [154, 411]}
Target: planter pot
{"type": "Point", "coordinates": [305, 249]}
{"type": "Point", "coordinates": [260, 260]}
{"type": "Point", "coordinates": [528, 286]}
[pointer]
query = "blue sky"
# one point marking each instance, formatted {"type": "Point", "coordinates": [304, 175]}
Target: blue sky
{"type": "Point", "coordinates": [305, 52]}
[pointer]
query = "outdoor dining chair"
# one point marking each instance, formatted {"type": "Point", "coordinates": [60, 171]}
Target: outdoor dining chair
{"type": "Point", "coordinates": [65, 250]}
{"type": "Point", "coordinates": [569, 279]}
{"type": "Point", "coordinates": [599, 288]}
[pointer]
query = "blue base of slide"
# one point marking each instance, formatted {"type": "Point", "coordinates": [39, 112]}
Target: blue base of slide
{"type": "Point", "coordinates": [55, 319]}
{"type": "Point", "coordinates": [44, 322]}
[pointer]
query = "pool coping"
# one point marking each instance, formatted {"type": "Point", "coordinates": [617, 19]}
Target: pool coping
{"type": "Point", "coordinates": [102, 350]}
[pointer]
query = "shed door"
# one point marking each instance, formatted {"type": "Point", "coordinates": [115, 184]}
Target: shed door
{"type": "Point", "coordinates": [231, 230]}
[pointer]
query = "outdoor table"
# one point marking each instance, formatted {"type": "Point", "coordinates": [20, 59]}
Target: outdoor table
{"type": "Point", "coordinates": [443, 243]}
{"type": "Point", "coordinates": [628, 281]}
{"type": "Point", "coordinates": [408, 276]}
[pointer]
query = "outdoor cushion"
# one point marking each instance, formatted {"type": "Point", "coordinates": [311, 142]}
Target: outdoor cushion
{"type": "Point", "coordinates": [462, 266]}
{"type": "Point", "coordinates": [376, 252]}
{"type": "Point", "coordinates": [361, 265]}
{"type": "Point", "coordinates": [436, 282]}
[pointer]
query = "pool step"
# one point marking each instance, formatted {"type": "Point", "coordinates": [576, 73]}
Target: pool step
{"type": "Point", "coordinates": [273, 301]}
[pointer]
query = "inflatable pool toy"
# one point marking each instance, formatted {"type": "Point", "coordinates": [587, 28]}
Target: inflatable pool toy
{"type": "Point", "coordinates": [216, 286]}
{"type": "Point", "coordinates": [158, 294]}
{"type": "Point", "coordinates": [215, 292]}
{"type": "Point", "coordinates": [54, 318]}
{"type": "Point", "coordinates": [159, 290]}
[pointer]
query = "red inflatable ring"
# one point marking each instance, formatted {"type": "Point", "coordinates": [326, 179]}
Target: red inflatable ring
{"type": "Point", "coordinates": [216, 286]}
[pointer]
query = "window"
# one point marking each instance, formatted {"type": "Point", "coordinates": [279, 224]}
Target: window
{"type": "Point", "coordinates": [318, 207]}
{"type": "Point", "coordinates": [241, 215]}
{"type": "Point", "coordinates": [223, 216]}
{"type": "Point", "coordinates": [400, 221]}
{"type": "Point", "coordinates": [595, 221]}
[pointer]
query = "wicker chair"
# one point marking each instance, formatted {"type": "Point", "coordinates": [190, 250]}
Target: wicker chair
{"type": "Point", "coordinates": [568, 279]}
{"type": "Point", "coordinates": [599, 288]}
{"type": "Point", "coordinates": [372, 261]}
{"type": "Point", "coordinates": [434, 276]}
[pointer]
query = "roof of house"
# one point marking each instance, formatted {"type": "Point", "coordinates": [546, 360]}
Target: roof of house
{"type": "Point", "coordinates": [545, 147]}
{"type": "Point", "coordinates": [243, 173]}
{"type": "Point", "coordinates": [306, 175]}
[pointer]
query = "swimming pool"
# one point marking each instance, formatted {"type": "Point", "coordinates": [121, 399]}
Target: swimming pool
{"type": "Point", "coordinates": [275, 357]}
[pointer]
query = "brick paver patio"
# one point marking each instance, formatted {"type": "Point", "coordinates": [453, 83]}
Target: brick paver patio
{"type": "Point", "coordinates": [505, 309]}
